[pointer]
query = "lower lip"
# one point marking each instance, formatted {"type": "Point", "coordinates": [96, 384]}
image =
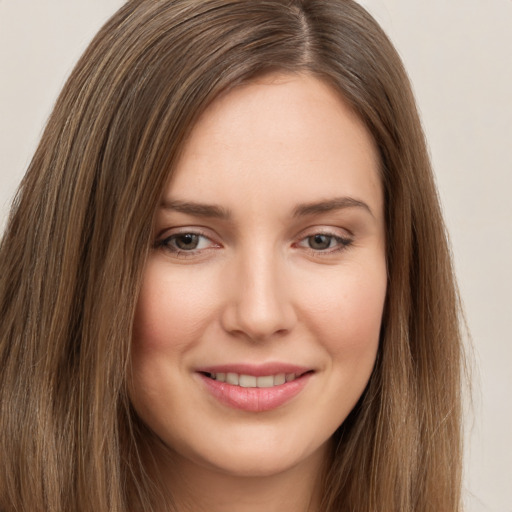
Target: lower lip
{"type": "Point", "coordinates": [255, 399]}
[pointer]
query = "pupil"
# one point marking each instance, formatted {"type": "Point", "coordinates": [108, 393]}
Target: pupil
{"type": "Point", "coordinates": [187, 241]}
{"type": "Point", "coordinates": [320, 241]}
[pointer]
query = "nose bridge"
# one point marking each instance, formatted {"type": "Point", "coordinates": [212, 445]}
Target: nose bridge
{"type": "Point", "coordinates": [260, 305]}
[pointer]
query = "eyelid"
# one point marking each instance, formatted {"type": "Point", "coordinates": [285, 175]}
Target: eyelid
{"type": "Point", "coordinates": [165, 235]}
{"type": "Point", "coordinates": [184, 229]}
{"type": "Point", "coordinates": [344, 239]}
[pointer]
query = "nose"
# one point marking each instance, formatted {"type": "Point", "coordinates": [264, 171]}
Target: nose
{"type": "Point", "coordinates": [259, 305]}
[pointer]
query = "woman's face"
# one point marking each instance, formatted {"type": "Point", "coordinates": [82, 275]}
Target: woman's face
{"type": "Point", "coordinates": [258, 322]}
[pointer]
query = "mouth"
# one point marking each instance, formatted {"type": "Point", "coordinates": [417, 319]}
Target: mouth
{"type": "Point", "coordinates": [253, 381]}
{"type": "Point", "coordinates": [255, 389]}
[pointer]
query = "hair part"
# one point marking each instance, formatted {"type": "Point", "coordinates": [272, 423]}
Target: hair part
{"type": "Point", "coordinates": [73, 254]}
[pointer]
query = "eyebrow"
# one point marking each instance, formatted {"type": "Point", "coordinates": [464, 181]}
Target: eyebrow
{"type": "Point", "coordinates": [196, 209]}
{"type": "Point", "coordinates": [338, 203]}
{"type": "Point", "coordinates": [301, 210]}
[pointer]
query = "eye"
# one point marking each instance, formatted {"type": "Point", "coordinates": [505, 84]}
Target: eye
{"type": "Point", "coordinates": [324, 242]}
{"type": "Point", "coordinates": [320, 242]}
{"type": "Point", "coordinates": [185, 243]}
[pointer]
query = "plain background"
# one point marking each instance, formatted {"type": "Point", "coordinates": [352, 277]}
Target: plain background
{"type": "Point", "coordinates": [459, 56]}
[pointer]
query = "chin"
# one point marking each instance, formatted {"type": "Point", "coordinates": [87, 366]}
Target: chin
{"type": "Point", "coordinates": [257, 459]}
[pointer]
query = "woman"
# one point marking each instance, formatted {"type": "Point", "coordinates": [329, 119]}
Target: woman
{"type": "Point", "coordinates": [225, 282]}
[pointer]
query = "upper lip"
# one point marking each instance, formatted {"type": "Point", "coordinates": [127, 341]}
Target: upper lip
{"type": "Point", "coordinates": [258, 370]}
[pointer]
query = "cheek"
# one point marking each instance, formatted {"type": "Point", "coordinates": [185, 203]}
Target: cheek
{"type": "Point", "coordinates": [169, 311]}
{"type": "Point", "coordinates": [164, 328]}
{"type": "Point", "coordinates": [348, 312]}
{"type": "Point", "coordinates": [173, 311]}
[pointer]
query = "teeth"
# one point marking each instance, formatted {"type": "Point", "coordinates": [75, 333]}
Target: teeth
{"type": "Point", "coordinates": [265, 382]}
{"type": "Point", "coordinates": [247, 381]}
{"type": "Point", "coordinates": [251, 381]}
{"type": "Point", "coordinates": [280, 378]}
{"type": "Point", "coordinates": [232, 378]}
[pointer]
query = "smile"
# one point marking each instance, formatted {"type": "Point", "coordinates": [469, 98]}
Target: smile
{"type": "Point", "coordinates": [255, 388]}
{"type": "Point", "coordinates": [252, 381]}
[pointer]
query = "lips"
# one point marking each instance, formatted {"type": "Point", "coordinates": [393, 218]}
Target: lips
{"type": "Point", "coordinates": [255, 388]}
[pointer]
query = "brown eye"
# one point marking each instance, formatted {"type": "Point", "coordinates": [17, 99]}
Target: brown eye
{"type": "Point", "coordinates": [186, 241]}
{"type": "Point", "coordinates": [320, 242]}
{"type": "Point", "coordinates": [326, 243]}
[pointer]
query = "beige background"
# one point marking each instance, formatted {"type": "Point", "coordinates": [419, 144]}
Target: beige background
{"type": "Point", "coordinates": [459, 56]}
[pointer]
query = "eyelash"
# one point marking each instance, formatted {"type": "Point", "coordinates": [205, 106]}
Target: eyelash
{"type": "Point", "coordinates": [165, 244]}
{"type": "Point", "coordinates": [342, 243]}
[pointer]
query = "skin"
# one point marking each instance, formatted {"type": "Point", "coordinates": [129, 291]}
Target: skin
{"type": "Point", "coordinates": [259, 288]}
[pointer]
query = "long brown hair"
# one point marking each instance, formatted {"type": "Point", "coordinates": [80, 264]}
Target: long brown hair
{"type": "Point", "coordinates": [73, 253]}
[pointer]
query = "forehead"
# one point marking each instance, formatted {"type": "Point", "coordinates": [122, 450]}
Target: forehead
{"type": "Point", "coordinates": [282, 135]}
